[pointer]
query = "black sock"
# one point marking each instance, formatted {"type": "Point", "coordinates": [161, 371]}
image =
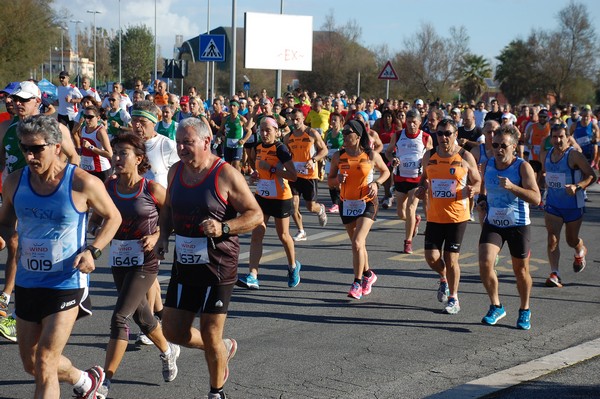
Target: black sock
{"type": "Point", "coordinates": [498, 306]}
{"type": "Point", "coordinates": [216, 390]}
{"type": "Point", "coordinates": [159, 314]}
{"type": "Point", "coordinates": [368, 273]}
{"type": "Point", "coordinates": [358, 280]}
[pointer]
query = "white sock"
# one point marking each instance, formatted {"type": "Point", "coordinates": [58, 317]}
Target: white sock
{"type": "Point", "coordinates": [291, 267]}
{"type": "Point", "coordinates": [168, 351]}
{"type": "Point", "coordinates": [84, 383]}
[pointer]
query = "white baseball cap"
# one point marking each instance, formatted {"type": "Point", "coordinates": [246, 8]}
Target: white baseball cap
{"type": "Point", "coordinates": [27, 90]}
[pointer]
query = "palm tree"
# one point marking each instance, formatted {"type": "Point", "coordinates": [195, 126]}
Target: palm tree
{"type": "Point", "coordinates": [474, 68]}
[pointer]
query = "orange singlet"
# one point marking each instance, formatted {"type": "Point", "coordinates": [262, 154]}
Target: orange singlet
{"type": "Point", "coordinates": [269, 185]}
{"type": "Point", "coordinates": [538, 134]}
{"type": "Point", "coordinates": [302, 149]}
{"type": "Point", "coordinates": [447, 178]}
{"type": "Point", "coordinates": [359, 173]}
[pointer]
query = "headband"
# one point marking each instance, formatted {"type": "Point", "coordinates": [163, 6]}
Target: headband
{"type": "Point", "coordinates": [148, 115]}
{"type": "Point", "coordinates": [270, 121]}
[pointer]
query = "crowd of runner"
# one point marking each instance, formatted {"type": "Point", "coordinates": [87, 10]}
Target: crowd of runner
{"type": "Point", "coordinates": [130, 172]}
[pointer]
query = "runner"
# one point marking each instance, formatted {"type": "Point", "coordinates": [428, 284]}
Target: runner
{"type": "Point", "coordinates": [50, 200]}
{"type": "Point", "coordinates": [307, 148]}
{"type": "Point", "coordinates": [235, 134]}
{"type": "Point", "coordinates": [334, 139]}
{"type": "Point", "coordinates": [208, 204]}
{"type": "Point", "coordinates": [352, 171]}
{"type": "Point", "coordinates": [568, 173]}
{"type": "Point", "coordinates": [406, 154]}
{"type": "Point", "coordinates": [450, 178]}
{"type": "Point", "coordinates": [95, 146]}
{"type": "Point", "coordinates": [274, 168]}
{"type": "Point", "coordinates": [508, 188]}
{"type": "Point", "coordinates": [133, 263]}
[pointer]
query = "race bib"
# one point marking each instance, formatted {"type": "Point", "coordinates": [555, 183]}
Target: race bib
{"type": "Point", "coordinates": [556, 180]}
{"type": "Point", "coordinates": [501, 217]}
{"type": "Point", "coordinates": [583, 140]}
{"type": "Point", "coordinates": [126, 253]}
{"type": "Point", "coordinates": [443, 188]}
{"type": "Point", "coordinates": [409, 166]}
{"type": "Point", "coordinates": [232, 143]}
{"type": "Point", "coordinates": [87, 163]}
{"type": "Point", "coordinates": [266, 188]}
{"type": "Point", "coordinates": [536, 149]}
{"type": "Point", "coordinates": [192, 250]}
{"type": "Point", "coordinates": [301, 168]}
{"type": "Point", "coordinates": [41, 255]}
{"type": "Point", "coordinates": [354, 207]}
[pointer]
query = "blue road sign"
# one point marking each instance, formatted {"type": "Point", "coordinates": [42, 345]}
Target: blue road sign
{"type": "Point", "coordinates": [246, 86]}
{"type": "Point", "coordinates": [212, 48]}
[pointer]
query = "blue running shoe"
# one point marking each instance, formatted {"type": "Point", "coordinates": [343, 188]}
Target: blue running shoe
{"type": "Point", "coordinates": [249, 281]}
{"type": "Point", "coordinates": [524, 320]}
{"type": "Point", "coordinates": [294, 276]}
{"type": "Point", "coordinates": [493, 315]}
{"type": "Point", "coordinates": [443, 292]}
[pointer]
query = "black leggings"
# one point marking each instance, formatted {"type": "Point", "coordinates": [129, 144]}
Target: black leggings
{"type": "Point", "coordinates": [132, 285]}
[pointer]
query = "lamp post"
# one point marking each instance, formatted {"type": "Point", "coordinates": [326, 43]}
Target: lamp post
{"type": "Point", "coordinates": [120, 80]}
{"type": "Point", "coordinates": [62, 48]}
{"type": "Point", "coordinates": [77, 22]}
{"type": "Point", "coordinates": [95, 65]}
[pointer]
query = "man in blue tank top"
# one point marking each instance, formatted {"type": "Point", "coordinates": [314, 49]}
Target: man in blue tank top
{"type": "Point", "coordinates": [50, 200]}
{"type": "Point", "coordinates": [568, 173]}
{"type": "Point", "coordinates": [208, 204]}
{"type": "Point", "coordinates": [508, 188]}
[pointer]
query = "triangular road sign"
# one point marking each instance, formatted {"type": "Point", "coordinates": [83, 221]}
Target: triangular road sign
{"type": "Point", "coordinates": [388, 72]}
{"type": "Point", "coordinates": [211, 51]}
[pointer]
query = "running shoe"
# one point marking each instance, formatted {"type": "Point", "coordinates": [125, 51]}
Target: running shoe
{"type": "Point", "coordinates": [3, 305]}
{"type": "Point", "coordinates": [452, 307]}
{"type": "Point", "coordinates": [579, 261]}
{"type": "Point", "coordinates": [443, 292]}
{"type": "Point", "coordinates": [300, 236]}
{"type": "Point", "coordinates": [169, 363]}
{"type": "Point", "coordinates": [8, 328]}
{"type": "Point", "coordinates": [322, 216]}
{"type": "Point", "coordinates": [96, 374]}
{"type": "Point", "coordinates": [386, 203]}
{"type": "Point", "coordinates": [367, 283]}
{"type": "Point", "coordinates": [142, 339]}
{"type": "Point", "coordinates": [408, 247]}
{"type": "Point", "coordinates": [493, 315]}
{"type": "Point", "coordinates": [334, 209]}
{"type": "Point", "coordinates": [231, 347]}
{"type": "Point", "coordinates": [524, 320]}
{"type": "Point", "coordinates": [355, 291]}
{"type": "Point", "coordinates": [219, 395]}
{"type": "Point", "coordinates": [248, 281]}
{"type": "Point", "coordinates": [554, 280]}
{"type": "Point", "coordinates": [294, 275]}
{"type": "Point", "coordinates": [417, 222]}
{"type": "Point", "coordinates": [103, 390]}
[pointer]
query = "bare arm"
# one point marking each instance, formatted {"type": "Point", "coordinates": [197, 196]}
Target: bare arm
{"type": "Point", "coordinates": [165, 221]}
{"type": "Point", "coordinates": [67, 146]}
{"type": "Point", "coordinates": [578, 161]}
{"type": "Point", "coordinates": [474, 181]}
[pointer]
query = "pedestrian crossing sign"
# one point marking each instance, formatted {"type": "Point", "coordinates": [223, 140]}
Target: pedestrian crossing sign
{"type": "Point", "coordinates": [388, 72]}
{"type": "Point", "coordinates": [212, 48]}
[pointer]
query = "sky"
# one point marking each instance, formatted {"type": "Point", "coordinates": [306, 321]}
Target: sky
{"type": "Point", "coordinates": [490, 24]}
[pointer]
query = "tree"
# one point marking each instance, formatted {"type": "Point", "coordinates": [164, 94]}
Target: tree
{"type": "Point", "coordinates": [474, 69]}
{"type": "Point", "coordinates": [137, 54]}
{"type": "Point", "coordinates": [516, 73]}
{"type": "Point", "coordinates": [28, 29]}
{"type": "Point", "coordinates": [430, 64]}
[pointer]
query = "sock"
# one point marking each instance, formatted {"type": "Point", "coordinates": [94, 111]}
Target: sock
{"type": "Point", "coordinates": [216, 390]}
{"type": "Point", "coordinates": [498, 306]}
{"type": "Point", "coordinates": [168, 351]}
{"type": "Point", "coordinates": [556, 272]}
{"type": "Point", "coordinates": [368, 273]}
{"type": "Point", "coordinates": [291, 267]}
{"type": "Point", "coordinates": [84, 383]}
{"type": "Point", "coordinates": [443, 280]}
{"type": "Point", "coordinates": [159, 314]}
{"type": "Point", "coordinates": [358, 280]}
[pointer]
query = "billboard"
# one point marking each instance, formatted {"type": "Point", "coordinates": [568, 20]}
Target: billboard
{"type": "Point", "coordinates": [267, 48]}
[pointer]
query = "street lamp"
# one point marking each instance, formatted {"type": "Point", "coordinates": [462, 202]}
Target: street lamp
{"type": "Point", "coordinates": [120, 80]}
{"type": "Point", "coordinates": [62, 47]}
{"type": "Point", "coordinates": [95, 65]}
{"type": "Point", "coordinates": [77, 22]}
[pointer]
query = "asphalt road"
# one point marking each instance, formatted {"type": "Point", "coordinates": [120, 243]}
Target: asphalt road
{"type": "Point", "coordinates": [315, 342]}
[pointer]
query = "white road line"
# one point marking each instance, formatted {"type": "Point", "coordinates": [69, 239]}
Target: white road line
{"type": "Point", "coordinates": [523, 372]}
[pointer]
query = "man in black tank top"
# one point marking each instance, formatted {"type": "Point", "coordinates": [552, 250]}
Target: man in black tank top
{"type": "Point", "coordinates": [208, 204]}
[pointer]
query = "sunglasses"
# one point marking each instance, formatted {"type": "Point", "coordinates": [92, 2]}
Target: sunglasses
{"type": "Point", "coordinates": [34, 149]}
{"type": "Point", "coordinates": [112, 99]}
{"type": "Point", "coordinates": [445, 133]}
{"type": "Point", "coordinates": [86, 116]}
{"type": "Point", "coordinates": [495, 146]}
{"type": "Point", "coordinates": [21, 100]}
{"type": "Point", "coordinates": [62, 78]}
{"type": "Point", "coordinates": [347, 132]}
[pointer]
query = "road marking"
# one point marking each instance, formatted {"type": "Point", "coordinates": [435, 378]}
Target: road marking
{"type": "Point", "coordinates": [523, 372]}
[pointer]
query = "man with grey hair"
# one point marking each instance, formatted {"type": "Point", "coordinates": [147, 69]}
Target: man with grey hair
{"type": "Point", "coordinates": [209, 203]}
{"type": "Point", "coordinates": [50, 200]}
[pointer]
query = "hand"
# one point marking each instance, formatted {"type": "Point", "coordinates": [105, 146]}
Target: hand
{"type": "Point", "coordinates": [395, 162]}
{"type": "Point", "coordinates": [161, 248]}
{"type": "Point", "coordinates": [373, 188]}
{"type": "Point", "coordinates": [310, 164]}
{"type": "Point", "coordinates": [84, 262]}
{"type": "Point", "coordinates": [420, 192]}
{"type": "Point", "coordinates": [571, 189]}
{"type": "Point", "coordinates": [504, 182]}
{"type": "Point", "coordinates": [212, 228]}
{"type": "Point", "coordinates": [115, 124]}
{"type": "Point", "coordinates": [342, 177]}
{"type": "Point", "coordinates": [68, 99]}
{"type": "Point", "coordinates": [149, 241]}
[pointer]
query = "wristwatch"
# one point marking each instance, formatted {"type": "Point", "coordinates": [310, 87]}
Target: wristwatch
{"type": "Point", "coordinates": [225, 228]}
{"type": "Point", "coordinates": [96, 253]}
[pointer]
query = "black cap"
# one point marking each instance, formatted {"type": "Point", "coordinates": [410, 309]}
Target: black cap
{"type": "Point", "coordinates": [63, 74]}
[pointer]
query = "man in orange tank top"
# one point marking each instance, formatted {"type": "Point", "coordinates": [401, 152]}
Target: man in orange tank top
{"type": "Point", "coordinates": [450, 178]}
